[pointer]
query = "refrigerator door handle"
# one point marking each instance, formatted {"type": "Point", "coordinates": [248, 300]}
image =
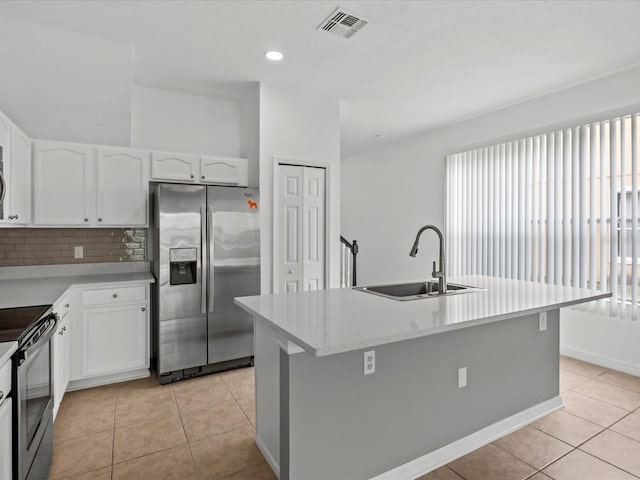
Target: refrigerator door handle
{"type": "Point", "coordinates": [203, 260]}
{"type": "Point", "coordinates": [210, 254]}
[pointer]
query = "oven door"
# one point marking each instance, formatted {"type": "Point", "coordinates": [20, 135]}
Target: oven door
{"type": "Point", "coordinates": [34, 403]}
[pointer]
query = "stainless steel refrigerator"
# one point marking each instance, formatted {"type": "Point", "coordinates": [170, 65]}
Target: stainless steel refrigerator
{"type": "Point", "coordinates": [206, 252]}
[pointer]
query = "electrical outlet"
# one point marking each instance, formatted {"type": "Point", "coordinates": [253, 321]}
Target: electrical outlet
{"type": "Point", "coordinates": [543, 321]}
{"type": "Point", "coordinates": [462, 377]}
{"type": "Point", "coordinates": [78, 252]}
{"type": "Point", "coordinates": [369, 362]}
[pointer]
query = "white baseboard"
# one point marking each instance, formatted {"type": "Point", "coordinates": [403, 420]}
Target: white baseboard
{"type": "Point", "coordinates": [107, 379]}
{"type": "Point", "coordinates": [601, 360]}
{"type": "Point", "coordinates": [267, 454]}
{"type": "Point", "coordinates": [444, 455]}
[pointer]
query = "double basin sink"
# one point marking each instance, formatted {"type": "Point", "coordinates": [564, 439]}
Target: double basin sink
{"type": "Point", "coordinates": [415, 290]}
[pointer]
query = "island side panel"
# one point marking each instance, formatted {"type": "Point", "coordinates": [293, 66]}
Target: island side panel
{"type": "Point", "coordinates": [343, 424]}
{"type": "Point", "coordinates": [267, 376]}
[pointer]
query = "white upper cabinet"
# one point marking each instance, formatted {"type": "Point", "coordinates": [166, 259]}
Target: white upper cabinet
{"type": "Point", "coordinates": [225, 170]}
{"type": "Point", "coordinates": [174, 166]}
{"type": "Point", "coordinates": [15, 169]}
{"type": "Point", "coordinates": [178, 167]}
{"type": "Point", "coordinates": [5, 167]}
{"type": "Point", "coordinates": [20, 183]}
{"type": "Point", "coordinates": [123, 186]}
{"type": "Point", "coordinates": [79, 184]}
{"type": "Point", "coordinates": [62, 184]}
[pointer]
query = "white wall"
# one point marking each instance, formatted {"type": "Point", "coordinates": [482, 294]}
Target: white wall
{"type": "Point", "coordinates": [304, 128]}
{"type": "Point", "coordinates": [60, 85]}
{"type": "Point", "coordinates": [250, 133]}
{"type": "Point", "coordinates": [388, 193]}
{"type": "Point", "coordinates": [179, 122]}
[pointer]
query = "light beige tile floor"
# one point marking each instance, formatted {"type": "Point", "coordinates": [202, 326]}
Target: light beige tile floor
{"type": "Point", "coordinates": [204, 428]}
{"type": "Point", "coordinates": [596, 436]}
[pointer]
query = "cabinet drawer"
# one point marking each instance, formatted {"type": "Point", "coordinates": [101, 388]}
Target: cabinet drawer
{"type": "Point", "coordinates": [5, 380]}
{"type": "Point", "coordinates": [114, 296]}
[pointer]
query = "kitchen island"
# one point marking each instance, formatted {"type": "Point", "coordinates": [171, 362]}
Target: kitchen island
{"type": "Point", "coordinates": [452, 373]}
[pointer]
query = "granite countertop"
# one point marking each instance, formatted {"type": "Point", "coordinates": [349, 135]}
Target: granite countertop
{"type": "Point", "coordinates": [6, 350]}
{"type": "Point", "coordinates": [326, 322]}
{"type": "Point", "coordinates": [48, 287]}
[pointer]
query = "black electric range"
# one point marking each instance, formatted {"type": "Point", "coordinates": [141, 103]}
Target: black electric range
{"type": "Point", "coordinates": [16, 323]}
{"type": "Point", "coordinates": [32, 387]}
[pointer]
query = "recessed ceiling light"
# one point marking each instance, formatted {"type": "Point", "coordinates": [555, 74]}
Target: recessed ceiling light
{"type": "Point", "coordinates": [274, 55]}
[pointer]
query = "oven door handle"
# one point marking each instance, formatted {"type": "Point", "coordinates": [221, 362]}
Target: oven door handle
{"type": "Point", "coordinates": [23, 355]}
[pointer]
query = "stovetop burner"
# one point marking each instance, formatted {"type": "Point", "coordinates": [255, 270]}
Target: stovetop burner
{"type": "Point", "coordinates": [15, 323]}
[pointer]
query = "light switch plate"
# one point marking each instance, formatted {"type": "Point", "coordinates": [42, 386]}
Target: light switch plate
{"type": "Point", "coordinates": [78, 252]}
{"type": "Point", "coordinates": [462, 377]}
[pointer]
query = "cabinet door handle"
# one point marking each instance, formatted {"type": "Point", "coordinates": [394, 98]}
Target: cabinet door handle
{"type": "Point", "coordinates": [143, 309]}
{"type": "Point", "coordinates": [66, 305]}
{"type": "Point", "coordinates": [15, 216]}
{"type": "Point", "coordinates": [203, 177]}
{"type": "Point", "coordinates": [86, 219]}
{"type": "Point", "coordinates": [193, 176]}
{"type": "Point", "coordinates": [115, 295]}
{"type": "Point", "coordinates": [99, 219]}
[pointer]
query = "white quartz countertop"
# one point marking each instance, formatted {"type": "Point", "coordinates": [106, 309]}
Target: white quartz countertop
{"type": "Point", "coordinates": [6, 350]}
{"type": "Point", "coordinates": [43, 291]}
{"type": "Point", "coordinates": [326, 322]}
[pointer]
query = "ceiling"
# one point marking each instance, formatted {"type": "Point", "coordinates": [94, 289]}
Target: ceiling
{"type": "Point", "coordinates": [419, 65]}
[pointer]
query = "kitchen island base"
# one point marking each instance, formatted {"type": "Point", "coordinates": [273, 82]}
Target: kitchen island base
{"type": "Point", "coordinates": [321, 417]}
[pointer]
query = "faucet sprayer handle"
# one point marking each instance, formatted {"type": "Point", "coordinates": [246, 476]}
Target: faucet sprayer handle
{"type": "Point", "coordinates": [434, 272]}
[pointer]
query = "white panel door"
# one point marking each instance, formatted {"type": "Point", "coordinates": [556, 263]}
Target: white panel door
{"type": "Point", "coordinates": [300, 250]}
{"type": "Point", "coordinates": [62, 186]}
{"type": "Point", "coordinates": [123, 187]}
{"type": "Point", "coordinates": [313, 228]}
{"type": "Point", "coordinates": [289, 248]}
{"type": "Point", "coordinates": [20, 183]}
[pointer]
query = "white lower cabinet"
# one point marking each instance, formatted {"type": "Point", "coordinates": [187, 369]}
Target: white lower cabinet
{"type": "Point", "coordinates": [114, 339]}
{"type": "Point", "coordinates": [61, 347]}
{"type": "Point", "coordinates": [6, 457]}
{"type": "Point", "coordinates": [110, 340]}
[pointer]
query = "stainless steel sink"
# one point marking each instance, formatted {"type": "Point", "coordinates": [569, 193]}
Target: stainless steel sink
{"type": "Point", "coordinates": [415, 290]}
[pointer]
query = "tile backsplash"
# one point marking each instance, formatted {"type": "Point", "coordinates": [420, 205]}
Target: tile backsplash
{"type": "Point", "coordinates": [49, 246]}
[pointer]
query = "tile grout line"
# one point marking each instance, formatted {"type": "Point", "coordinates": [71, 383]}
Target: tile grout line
{"type": "Point", "coordinates": [537, 470]}
{"type": "Point", "coordinates": [184, 431]}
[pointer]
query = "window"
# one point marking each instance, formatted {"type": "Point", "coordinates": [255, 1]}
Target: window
{"type": "Point", "coordinates": [627, 237]}
{"type": "Point", "coordinates": [561, 208]}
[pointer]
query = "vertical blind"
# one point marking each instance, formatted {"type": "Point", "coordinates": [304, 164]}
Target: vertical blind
{"type": "Point", "coordinates": [560, 208]}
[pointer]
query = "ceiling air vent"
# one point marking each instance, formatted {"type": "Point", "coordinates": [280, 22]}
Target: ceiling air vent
{"type": "Point", "coordinates": [343, 22]}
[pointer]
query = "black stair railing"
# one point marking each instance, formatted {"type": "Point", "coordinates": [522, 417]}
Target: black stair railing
{"type": "Point", "coordinates": [348, 254]}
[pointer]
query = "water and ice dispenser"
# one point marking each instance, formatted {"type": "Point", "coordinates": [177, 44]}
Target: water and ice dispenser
{"type": "Point", "coordinates": [183, 266]}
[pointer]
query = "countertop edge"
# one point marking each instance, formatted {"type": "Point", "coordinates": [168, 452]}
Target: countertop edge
{"type": "Point", "coordinates": [323, 352]}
